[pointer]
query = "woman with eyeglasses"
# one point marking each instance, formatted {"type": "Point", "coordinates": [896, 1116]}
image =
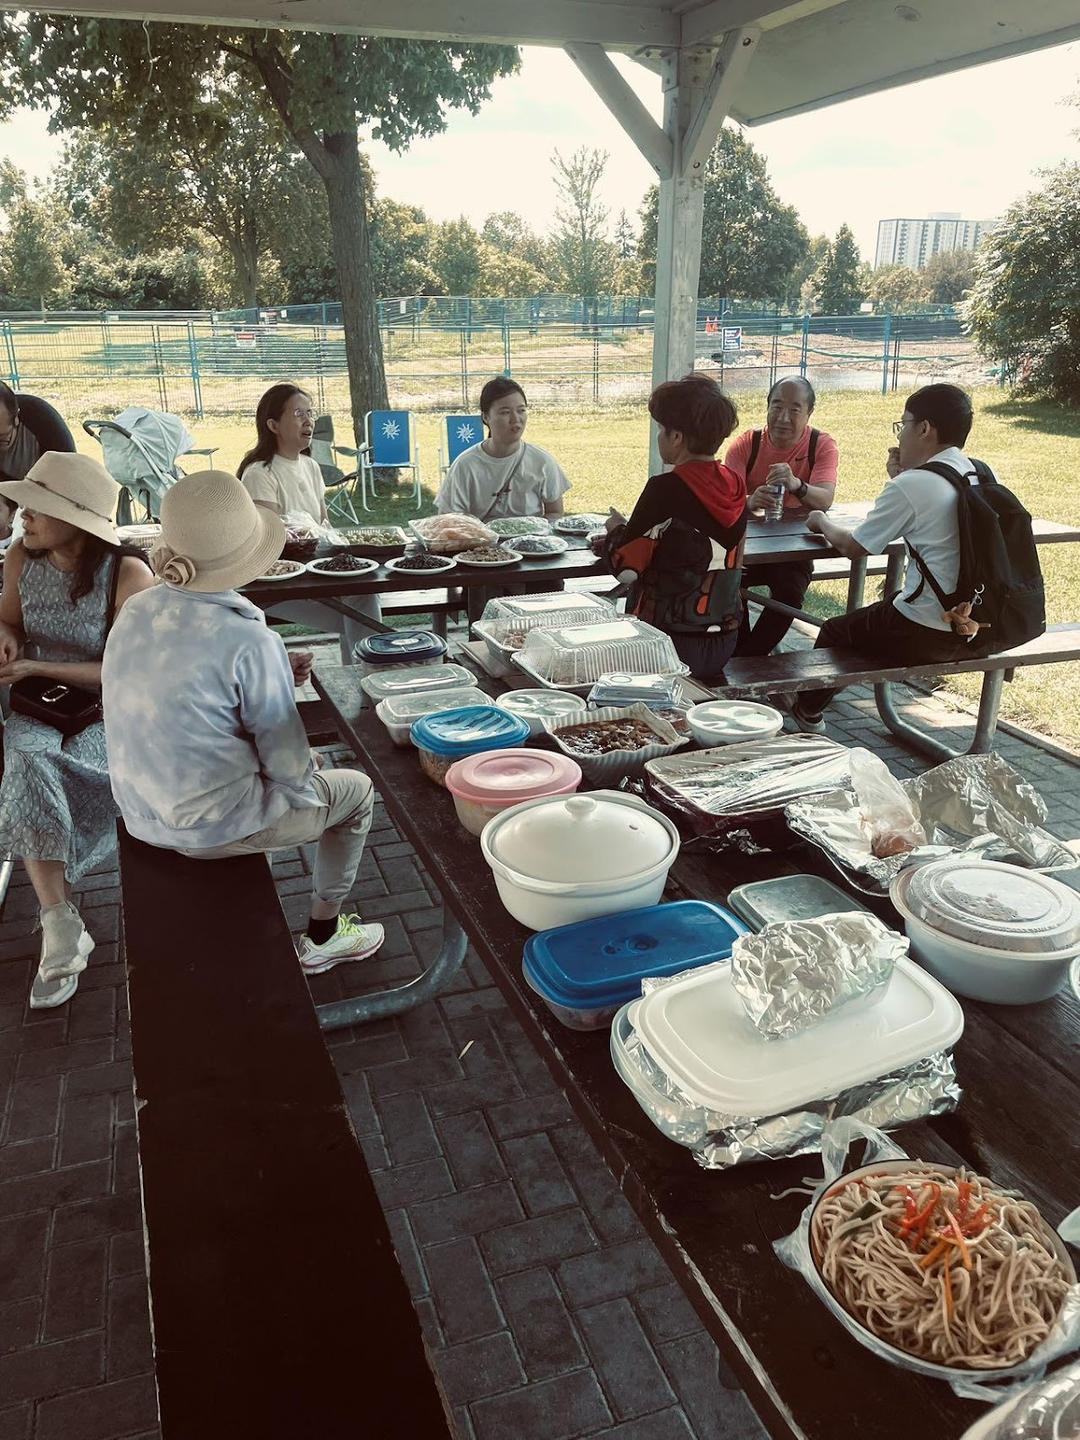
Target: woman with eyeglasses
{"type": "Point", "coordinates": [279, 474]}
{"type": "Point", "coordinates": [29, 427]}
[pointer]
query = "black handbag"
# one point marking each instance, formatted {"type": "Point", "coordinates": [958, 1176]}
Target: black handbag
{"type": "Point", "coordinates": [67, 708]}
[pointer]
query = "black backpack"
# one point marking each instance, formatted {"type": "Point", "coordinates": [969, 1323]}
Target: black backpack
{"type": "Point", "coordinates": [999, 564]}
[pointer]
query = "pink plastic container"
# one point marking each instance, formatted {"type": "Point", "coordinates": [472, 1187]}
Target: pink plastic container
{"type": "Point", "coordinates": [486, 784]}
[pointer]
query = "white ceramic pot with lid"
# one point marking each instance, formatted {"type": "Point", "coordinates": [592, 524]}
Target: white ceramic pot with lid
{"type": "Point", "coordinates": [561, 859]}
{"type": "Point", "coordinates": [988, 930]}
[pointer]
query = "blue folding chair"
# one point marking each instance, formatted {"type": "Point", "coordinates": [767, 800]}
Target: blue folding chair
{"type": "Point", "coordinates": [461, 432]}
{"type": "Point", "coordinates": [389, 444]}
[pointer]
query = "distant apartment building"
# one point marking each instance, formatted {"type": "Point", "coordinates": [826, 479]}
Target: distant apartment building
{"type": "Point", "coordinates": [914, 242]}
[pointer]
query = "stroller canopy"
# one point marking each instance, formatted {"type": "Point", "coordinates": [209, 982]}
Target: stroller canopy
{"type": "Point", "coordinates": [144, 459]}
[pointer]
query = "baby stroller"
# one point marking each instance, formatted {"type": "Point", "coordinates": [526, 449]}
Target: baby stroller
{"type": "Point", "coordinates": [140, 450]}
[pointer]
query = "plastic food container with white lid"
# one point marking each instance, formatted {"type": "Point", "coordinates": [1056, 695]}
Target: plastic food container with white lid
{"type": "Point", "coordinates": [416, 680]}
{"type": "Point", "coordinates": [484, 785]}
{"type": "Point", "coordinates": [536, 706]}
{"type": "Point", "coordinates": [448, 735]}
{"type": "Point", "coordinates": [727, 722]}
{"type": "Point", "coordinates": [696, 1031]}
{"type": "Point", "coordinates": [564, 859]}
{"type": "Point", "coordinates": [397, 712]}
{"type": "Point", "coordinates": [988, 930]}
{"type": "Point", "coordinates": [575, 656]}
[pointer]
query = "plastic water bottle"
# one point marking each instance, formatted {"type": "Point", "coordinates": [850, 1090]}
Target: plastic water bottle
{"type": "Point", "coordinates": [774, 504]}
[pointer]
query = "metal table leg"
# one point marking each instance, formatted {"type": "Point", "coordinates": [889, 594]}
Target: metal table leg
{"type": "Point", "coordinates": [985, 725]}
{"type": "Point", "coordinates": [378, 1006]}
{"type": "Point", "coordinates": [856, 584]}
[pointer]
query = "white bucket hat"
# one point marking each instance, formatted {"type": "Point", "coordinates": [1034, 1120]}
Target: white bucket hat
{"type": "Point", "coordinates": [215, 536]}
{"type": "Point", "coordinates": [74, 488]}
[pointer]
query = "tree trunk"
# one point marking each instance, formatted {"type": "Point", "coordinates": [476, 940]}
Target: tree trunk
{"type": "Point", "coordinates": [347, 207]}
{"type": "Point", "coordinates": [245, 262]}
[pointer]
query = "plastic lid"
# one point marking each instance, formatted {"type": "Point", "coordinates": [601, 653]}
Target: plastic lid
{"type": "Point", "coordinates": [789, 897]}
{"type": "Point", "coordinates": [468, 729]}
{"type": "Point", "coordinates": [404, 709]}
{"type": "Point", "coordinates": [400, 645]}
{"type": "Point", "coordinates": [580, 654]}
{"type": "Point", "coordinates": [602, 962]}
{"type": "Point", "coordinates": [415, 680]}
{"type": "Point", "coordinates": [696, 1030]}
{"type": "Point", "coordinates": [583, 838]}
{"type": "Point", "coordinates": [507, 777]}
{"type": "Point", "coordinates": [740, 719]}
{"type": "Point", "coordinates": [540, 704]}
{"type": "Point", "coordinates": [540, 607]}
{"type": "Point", "coordinates": [619, 686]}
{"type": "Point", "coordinates": [1000, 906]}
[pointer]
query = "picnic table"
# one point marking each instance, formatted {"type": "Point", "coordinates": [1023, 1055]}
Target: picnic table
{"type": "Point", "coordinates": [807, 1378]}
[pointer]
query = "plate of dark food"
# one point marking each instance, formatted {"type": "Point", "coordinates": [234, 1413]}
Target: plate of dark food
{"type": "Point", "coordinates": [339, 565]}
{"type": "Point", "coordinates": [422, 563]}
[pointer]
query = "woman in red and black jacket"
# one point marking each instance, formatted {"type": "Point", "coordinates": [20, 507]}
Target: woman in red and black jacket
{"type": "Point", "coordinates": [681, 549]}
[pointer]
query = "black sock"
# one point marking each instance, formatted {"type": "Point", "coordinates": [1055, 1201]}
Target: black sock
{"type": "Point", "coordinates": [319, 931]}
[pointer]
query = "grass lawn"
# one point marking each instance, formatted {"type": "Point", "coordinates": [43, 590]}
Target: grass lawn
{"type": "Point", "coordinates": [1032, 447]}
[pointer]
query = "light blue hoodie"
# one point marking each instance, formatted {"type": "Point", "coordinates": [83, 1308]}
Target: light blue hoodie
{"type": "Point", "coordinates": [206, 745]}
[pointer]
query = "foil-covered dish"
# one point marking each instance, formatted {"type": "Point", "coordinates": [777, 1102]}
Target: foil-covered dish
{"type": "Point", "coordinates": [796, 972]}
{"type": "Point", "coordinates": [973, 803]}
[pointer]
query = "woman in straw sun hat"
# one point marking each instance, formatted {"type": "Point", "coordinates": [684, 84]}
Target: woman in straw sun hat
{"type": "Point", "coordinates": [207, 751]}
{"type": "Point", "coordinates": [62, 581]}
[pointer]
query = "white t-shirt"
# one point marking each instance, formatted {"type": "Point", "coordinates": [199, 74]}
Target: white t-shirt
{"type": "Point", "coordinates": [475, 479]}
{"type": "Point", "coordinates": [921, 507]}
{"type": "Point", "coordinates": [291, 487]}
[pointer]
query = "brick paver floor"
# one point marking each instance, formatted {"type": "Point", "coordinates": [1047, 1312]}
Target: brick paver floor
{"type": "Point", "coordinates": [548, 1311]}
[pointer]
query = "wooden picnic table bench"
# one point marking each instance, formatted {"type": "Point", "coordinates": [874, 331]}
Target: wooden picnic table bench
{"type": "Point", "coordinates": [807, 1378]}
{"type": "Point", "coordinates": [278, 1306]}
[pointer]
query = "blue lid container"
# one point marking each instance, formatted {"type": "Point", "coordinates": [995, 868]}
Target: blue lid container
{"type": "Point", "coordinates": [467, 730]}
{"type": "Point", "coordinates": [400, 647]}
{"type": "Point", "coordinates": [600, 963]}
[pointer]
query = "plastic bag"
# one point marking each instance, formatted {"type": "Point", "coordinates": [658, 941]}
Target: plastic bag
{"type": "Point", "coordinates": [888, 818]}
{"type": "Point", "coordinates": [991, 1386]}
{"type": "Point", "coordinates": [1049, 1410]}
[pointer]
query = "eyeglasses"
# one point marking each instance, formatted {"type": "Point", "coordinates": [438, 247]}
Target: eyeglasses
{"type": "Point", "coordinates": [303, 414]}
{"type": "Point", "coordinates": [897, 427]}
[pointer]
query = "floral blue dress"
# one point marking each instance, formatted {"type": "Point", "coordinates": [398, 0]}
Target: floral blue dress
{"type": "Point", "coordinates": [55, 798]}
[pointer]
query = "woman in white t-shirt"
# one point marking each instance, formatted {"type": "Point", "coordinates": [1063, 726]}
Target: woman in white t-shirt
{"type": "Point", "coordinates": [278, 474]}
{"type": "Point", "coordinates": [503, 475]}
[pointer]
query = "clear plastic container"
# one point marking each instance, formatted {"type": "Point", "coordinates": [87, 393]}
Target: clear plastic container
{"type": "Point", "coordinates": [449, 735]}
{"type": "Point", "coordinates": [788, 897]}
{"type": "Point", "coordinates": [657, 691]}
{"type": "Point", "coordinates": [396, 649]}
{"type": "Point", "coordinates": [508, 618]}
{"type": "Point", "coordinates": [398, 712]}
{"type": "Point", "coordinates": [416, 680]}
{"type": "Point", "coordinates": [575, 656]}
{"type": "Point", "coordinates": [536, 706]}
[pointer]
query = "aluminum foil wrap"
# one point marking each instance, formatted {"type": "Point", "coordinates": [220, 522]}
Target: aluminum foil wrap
{"type": "Point", "coordinates": [718, 1141]}
{"type": "Point", "coordinates": [1050, 1410]}
{"type": "Point", "coordinates": [975, 802]}
{"type": "Point", "coordinates": [796, 972]}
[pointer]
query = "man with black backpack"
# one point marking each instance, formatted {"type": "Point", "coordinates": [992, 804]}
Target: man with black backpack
{"type": "Point", "coordinates": [973, 585]}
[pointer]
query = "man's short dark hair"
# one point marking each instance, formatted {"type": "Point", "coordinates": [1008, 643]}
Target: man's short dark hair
{"type": "Point", "coordinates": [498, 389]}
{"type": "Point", "coordinates": [811, 398]}
{"type": "Point", "coordinates": [946, 407]}
{"type": "Point", "coordinates": [697, 407]}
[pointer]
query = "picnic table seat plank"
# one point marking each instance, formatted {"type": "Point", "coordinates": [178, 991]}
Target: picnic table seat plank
{"type": "Point", "coordinates": [805, 1375]}
{"type": "Point", "coordinates": [278, 1305]}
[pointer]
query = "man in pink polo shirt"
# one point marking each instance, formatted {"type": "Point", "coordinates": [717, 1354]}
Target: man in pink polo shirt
{"type": "Point", "coordinates": [806, 461]}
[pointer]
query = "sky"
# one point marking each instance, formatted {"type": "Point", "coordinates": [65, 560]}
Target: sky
{"type": "Point", "coordinates": [968, 143]}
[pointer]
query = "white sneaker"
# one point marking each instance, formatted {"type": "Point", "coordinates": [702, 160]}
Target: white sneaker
{"type": "Point", "coordinates": [47, 994]}
{"type": "Point", "coordinates": [65, 941]}
{"type": "Point", "coordinates": [352, 940]}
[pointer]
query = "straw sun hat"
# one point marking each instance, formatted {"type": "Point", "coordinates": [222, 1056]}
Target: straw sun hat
{"type": "Point", "coordinates": [73, 488]}
{"type": "Point", "coordinates": [216, 537]}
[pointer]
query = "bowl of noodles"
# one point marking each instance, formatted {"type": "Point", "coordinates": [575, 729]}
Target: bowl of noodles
{"type": "Point", "coordinates": [940, 1268]}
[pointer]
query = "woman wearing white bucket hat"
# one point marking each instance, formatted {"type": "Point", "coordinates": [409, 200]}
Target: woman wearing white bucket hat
{"type": "Point", "coordinates": [207, 751]}
{"type": "Point", "coordinates": [63, 581]}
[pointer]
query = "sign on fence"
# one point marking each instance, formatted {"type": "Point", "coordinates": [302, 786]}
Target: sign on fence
{"type": "Point", "coordinates": [245, 340]}
{"type": "Point", "coordinates": [732, 337]}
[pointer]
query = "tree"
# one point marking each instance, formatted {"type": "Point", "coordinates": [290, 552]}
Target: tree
{"type": "Point", "coordinates": [503, 274]}
{"type": "Point", "coordinates": [323, 87]}
{"type": "Point", "coordinates": [1024, 307]}
{"type": "Point", "coordinates": [837, 279]}
{"type": "Point", "coordinates": [896, 289]}
{"type": "Point", "coordinates": [402, 238]}
{"type": "Point", "coordinates": [751, 243]}
{"type": "Point", "coordinates": [508, 233]}
{"type": "Point", "coordinates": [583, 256]}
{"type": "Point", "coordinates": [32, 250]}
{"type": "Point", "coordinates": [625, 240]}
{"type": "Point", "coordinates": [948, 276]}
{"type": "Point", "coordinates": [457, 257]}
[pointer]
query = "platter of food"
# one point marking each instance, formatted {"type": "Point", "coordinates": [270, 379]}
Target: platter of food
{"type": "Point", "coordinates": [514, 525]}
{"type": "Point", "coordinates": [337, 565]}
{"type": "Point", "coordinates": [421, 564]}
{"type": "Point", "coordinates": [488, 557]}
{"type": "Point", "coordinates": [540, 547]}
{"type": "Point", "coordinates": [449, 534]}
{"type": "Point", "coordinates": [284, 570]}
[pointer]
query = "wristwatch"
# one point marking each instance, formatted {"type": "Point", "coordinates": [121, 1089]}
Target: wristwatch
{"type": "Point", "coordinates": [801, 491]}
